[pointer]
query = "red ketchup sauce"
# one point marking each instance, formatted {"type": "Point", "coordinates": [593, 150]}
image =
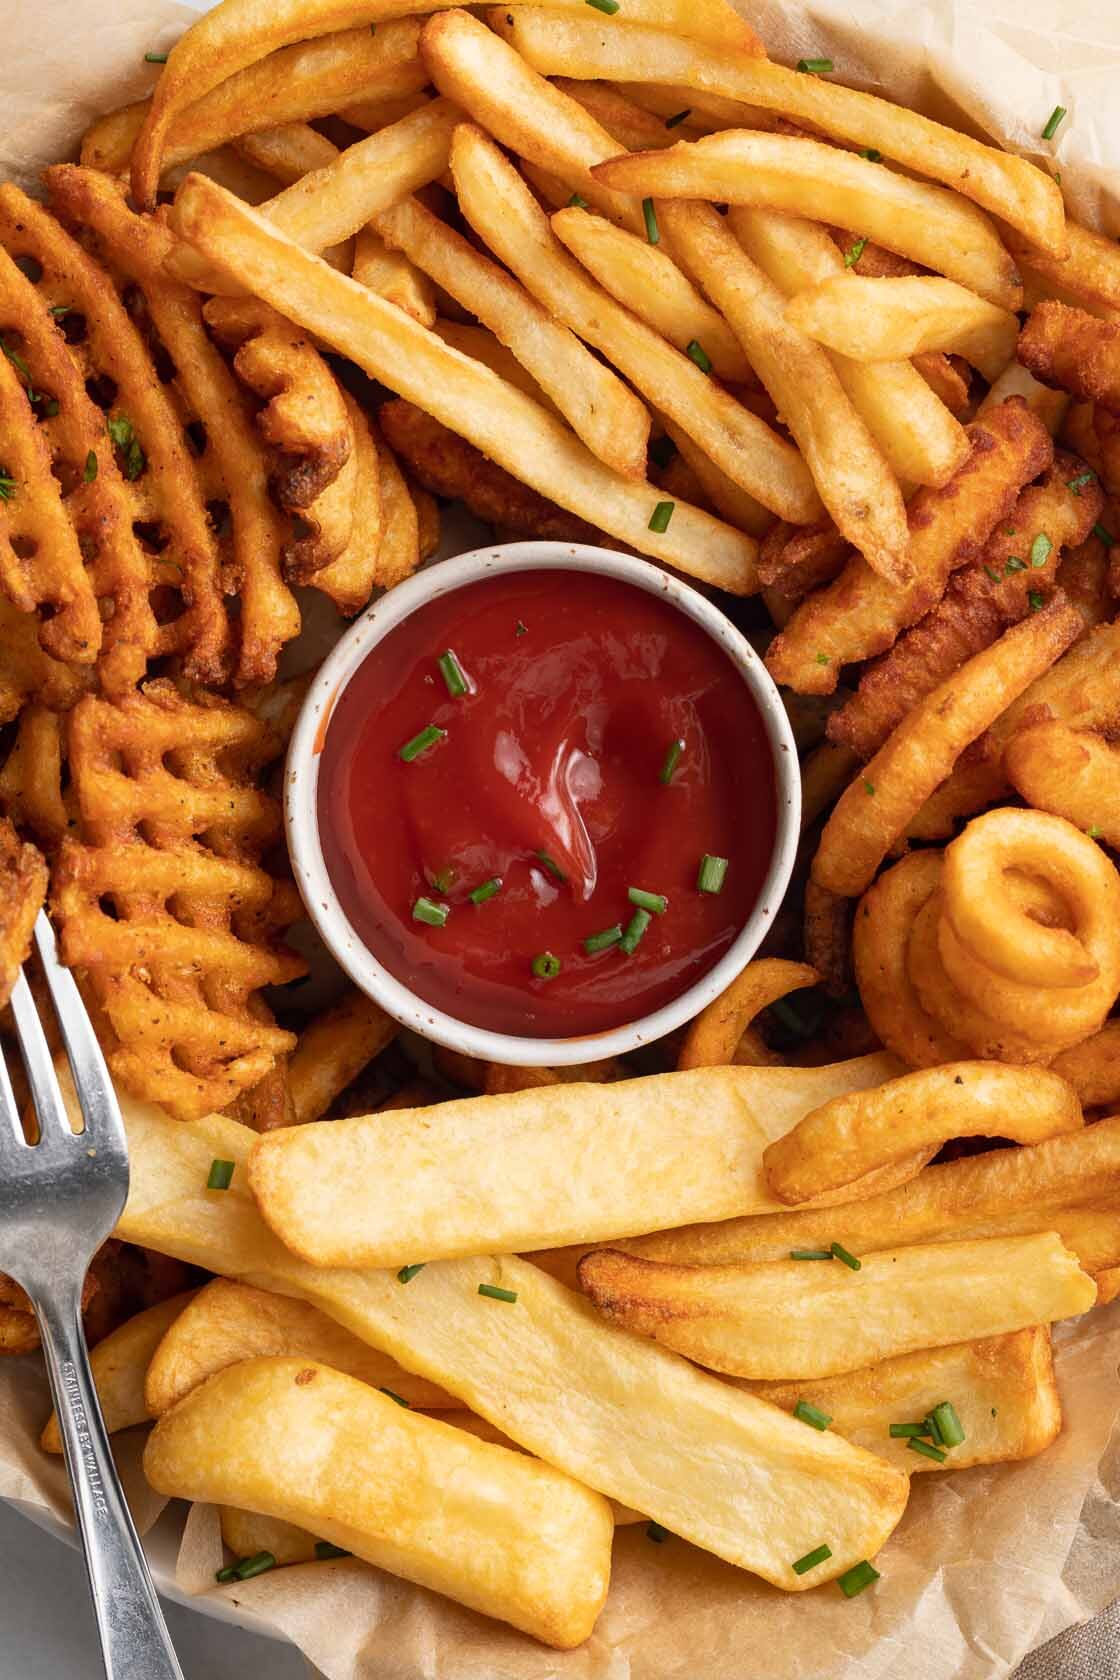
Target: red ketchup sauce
{"type": "Point", "coordinates": [548, 778]}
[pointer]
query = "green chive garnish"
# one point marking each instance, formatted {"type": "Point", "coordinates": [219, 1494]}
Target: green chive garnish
{"type": "Point", "coordinates": [58, 310]}
{"type": "Point", "coordinates": [655, 903]}
{"type": "Point", "coordinates": [259, 1564]}
{"type": "Point", "coordinates": [1106, 537]}
{"type": "Point", "coordinates": [1094, 833]}
{"type": "Point", "coordinates": [220, 1176]}
{"type": "Point", "coordinates": [428, 911]}
{"type": "Point", "coordinates": [992, 573]}
{"type": "Point", "coordinates": [815, 66]}
{"type": "Point", "coordinates": [811, 1560]}
{"type": "Point", "coordinates": [488, 889]}
{"type": "Point", "coordinates": [89, 472]}
{"type": "Point", "coordinates": [577, 202]}
{"type": "Point", "coordinates": [1014, 564]}
{"type": "Point", "coordinates": [927, 1449]}
{"type": "Point", "coordinates": [324, 1550]}
{"type": "Point", "coordinates": [551, 865]}
{"type": "Point", "coordinates": [420, 743]}
{"type": "Point", "coordinates": [852, 257]}
{"type": "Point", "coordinates": [653, 232]}
{"type": "Point", "coordinates": [931, 1427]}
{"type": "Point", "coordinates": [397, 1397]}
{"type": "Point", "coordinates": [603, 940]}
{"type": "Point", "coordinates": [839, 1252]}
{"type": "Point", "coordinates": [949, 1427]}
{"type": "Point", "coordinates": [811, 1415]}
{"type": "Point", "coordinates": [656, 1533]}
{"type": "Point", "coordinates": [854, 1580]}
{"type": "Point", "coordinates": [7, 487]}
{"type": "Point", "coordinates": [545, 966]}
{"type": "Point", "coordinates": [493, 1293]}
{"type": "Point", "coordinates": [871, 153]}
{"type": "Point", "coordinates": [453, 676]}
{"type": "Point", "coordinates": [670, 762]}
{"type": "Point", "coordinates": [823, 659]}
{"type": "Point", "coordinates": [608, 6]}
{"type": "Point", "coordinates": [697, 353]}
{"type": "Point", "coordinates": [660, 517]}
{"type": "Point", "coordinates": [678, 117]}
{"type": "Point", "coordinates": [907, 1431]}
{"type": "Point", "coordinates": [1035, 601]}
{"type": "Point", "coordinates": [711, 874]}
{"type": "Point", "coordinates": [121, 432]}
{"type": "Point", "coordinates": [810, 1254]}
{"type": "Point", "coordinates": [1078, 483]}
{"type": "Point", "coordinates": [869, 789]}
{"type": "Point", "coordinates": [444, 880]}
{"type": "Point", "coordinates": [1053, 122]}
{"type": "Point", "coordinates": [1041, 550]}
{"type": "Point", "coordinates": [407, 1273]}
{"type": "Point", "coordinates": [223, 1576]}
{"type": "Point", "coordinates": [635, 932]}
{"type": "Point", "coordinates": [155, 58]}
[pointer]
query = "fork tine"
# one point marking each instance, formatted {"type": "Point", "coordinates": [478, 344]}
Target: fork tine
{"type": "Point", "coordinates": [45, 1091]}
{"type": "Point", "coordinates": [11, 1130]}
{"type": "Point", "coordinates": [92, 1083]}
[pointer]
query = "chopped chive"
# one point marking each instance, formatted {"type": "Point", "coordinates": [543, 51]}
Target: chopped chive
{"type": "Point", "coordinates": [635, 932]}
{"type": "Point", "coordinates": [656, 1533]}
{"type": "Point", "coordinates": [155, 58]}
{"type": "Point", "coordinates": [927, 1449]}
{"type": "Point", "coordinates": [810, 1254]}
{"type": "Point", "coordinates": [670, 762]}
{"type": "Point", "coordinates": [992, 573]}
{"type": "Point", "coordinates": [653, 232]}
{"type": "Point", "coordinates": [815, 66]}
{"type": "Point", "coordinates": [229, 1573]}
{"type": "Point", "coordinates": [7, 487]}
{"type": "Point", "coordinates": [324, 1550]}
{"type": "Point", "coordinates": [444, 879]}
{"type": "Point", "coordinates": [610, 7]}
{"type": "Point", "coordinates": [578, 202]}
{"type": "Point", "coordinates": [660, 517]}
{"type": "Point", "coordinates": [931, 1427]}
{"type": "Point", "coordinates": [1094, 833]}
{"type": "Point", "coordinates": [1041, 550]}
{"type": "Point", "coordinates": [907, 1431]}
{"type": "Point", "coordinates": [545, 966]}
{"type": "Point", "coordinates": [493, 1293]}
{"type": "Point", "coordinates": [948, 1423]}
{"type": "Point", "coordinates": [852, 257]}
{"type": "Point", "coordinates": [871, 153]}
{"type": "Point", "coordinates": [1014, 564]}
{"type": "Point", "coordinates": [603, 940]}
{"type": "Point", "coordinates": [453, 675]}
{"type": "Point", "coordinates": [811, 1415]}
{"type": "Point", "coordinates": [20, 366]}
{"type": "Point", "coordinates": [823, 659]}
{"type": "Point", "coordinates": [407, 1273]}
{"type": "Point", "coordinates": [1104, 536]}
{"type": "Point", "coordinates": [661, 450]}
{"type": "Point", "coordinates": [401, 1401]}
{"type": "Point", "coordinates": [1034, 600]}
{"type": "Point", "coordinates": [259, 1564]}
{"type": "Point", "coordinates": [428, 911]}
{"type": "Point", "coordinates": [869, 789]}
{"type": "Point", "coordinates": [488, 889]}
{"type": "Point", "coordinates": [89, 472]}
{"type": "Point", "coordinates": [656, 903]}
{"type": "Point", "coordinates": [551, 865]}
{"type": "Point", "coordinates": [122, 433]}
{"type": "Point", "coordinates": [839, 1252]}
{"type": "Point", "coordinates": [811, 1560]}
{"type": "Point", "coordinates": [711, 874]}
{"type": "Point", "coordinates": [58, 310]}
{"type": "Point", "coordinates": [678, 117]}
{"type": "Point", "coordinates": [1053, 122]}
{"type": "Point", "coordinates": [220, 1176]}
{"type": "Point", "coordinates": [854, 1580]}
{"type": "Point", "coordinates": [420, 743]}
{"type": "Point", "coordinates": [697, 353]}
{"type": "Point", "coordinates": [1077, 484]}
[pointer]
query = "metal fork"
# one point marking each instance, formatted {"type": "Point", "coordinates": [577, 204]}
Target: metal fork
{"type": "Point", "coordinates": [59, 1200]}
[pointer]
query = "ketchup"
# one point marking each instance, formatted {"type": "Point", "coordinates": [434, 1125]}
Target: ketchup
{"type": "Point", "coordinates": [603, 742]}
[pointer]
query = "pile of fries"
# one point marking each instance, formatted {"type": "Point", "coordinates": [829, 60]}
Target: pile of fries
{"type": "Point", "coordinates": [558, 263]}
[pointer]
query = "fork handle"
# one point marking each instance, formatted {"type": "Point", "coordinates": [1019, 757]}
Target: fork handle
{"type": "Point", "coordinates": [135, 1643]}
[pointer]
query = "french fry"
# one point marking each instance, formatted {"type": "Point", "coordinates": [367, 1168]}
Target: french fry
{"type": "Point", "coordinates": [288, 150]}
{"type": "Point", "coordinates": [481, 345]}
{"type": "Point", "coordinates": [1089, 271]}
{"type": "Point", "coordinates": [789, 1318]}
{"type": "Point", "coordinates": [1015, 381]}
{"type": "Point", "coordinates": [393, 277]}
{"type": "Point", "coordinates": [701, 1459]}
{"type": "Point", "coordinates": [727, 498]}
{"type": "Point", "coordinates": [228, 1322]}
{"type": "Point", "coordinates": [877, 806]}
{"type": "Point", "coordinates": [881, 320]}
{"type": "Point", "coordinates": [504, 213]}
{"type": "Point", "coordinates": [824, 776]}
{"type": "Point", "coordinates": [653, 1152]}
{"type": "Point", "coordinates": [333, 1049]}
{"type": "Point", "coordinates": [711, 1038]}
{"type": "Point", "coordinates": [600, 409]}
{"type": "Point", "coordinates": [464, 395]}
{"type": "Point", "coordinates": [706, 111]}
{"type": "Point", "coordinates": [1006, 185]}
{"type": "Point", "coordinates": [850, 1136]}
{"type": "Point", "coordinates": [119, 1364]}
{"type": "Point", "coordinates": [1093, 1067]}
{"type": "Point", "coordinates": [847, 466]}
{"type": "Point", "coordinates": [1002, 1389]}
{"type": "Point", "coordinates": [1072, 349]}
{"type": "Point", "coordinates": [625, 120]}
{"type": "Point", "coordinates": [247, 1534]}
{"type": "Point", "coordinates": [500, 1532]}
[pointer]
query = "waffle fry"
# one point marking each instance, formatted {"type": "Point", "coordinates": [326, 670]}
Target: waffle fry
{"type": "Point", "coordinates": [23, 887]}
{"type": "Point", "coordinates": [31, 779]}
{"type": "Point", "coordinates": [171, 841]}
{"type": "Point", "coordinates": [28, 671]}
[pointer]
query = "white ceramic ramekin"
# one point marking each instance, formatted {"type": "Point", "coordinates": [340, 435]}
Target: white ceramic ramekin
{"type": "Point", "coordinates": [301, 803]}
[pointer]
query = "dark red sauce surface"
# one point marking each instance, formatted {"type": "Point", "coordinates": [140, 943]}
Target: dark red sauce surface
{"type": "Point", "coordinates": [579, 685]}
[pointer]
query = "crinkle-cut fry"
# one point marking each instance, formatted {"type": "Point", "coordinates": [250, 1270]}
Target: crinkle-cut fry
{"type": "Point", "coordinates": [120, 1363]}
{"type": "Point", "coordinates": [601, 410]}
{"type": "Point", "coordinates": [23, 888]}
{"type": "Point", "coordinates": [228, 1321]}
{"type": "Point", "coordinates": [847, 466]}
{"type": "Point", "coordinates": [884, 921]}
{"type": "Point", "coordinates": [860, 614]}
{"type": "Point", "coordinates": [824, 776]}
{"type": "Point", "coordinates": [503, 211]}
{"type": "Point", "coordinates": [712, 1038]}
{"type": "Point", "coordinates": [786, 1318]}
{"type": "Point", "coordinates": [392, 276]}
{"type": "Point", "coordinates": [981, 601]}
{"type": "Point", "coordinates": [503, 1533]}
{"type": "Point", "coordinates": [172, 829]}
{"type": "Point", "coordinates": [589, 1382]}
{"type": "Point", "coordinates": [450, 467]}
{"type": "Point", "coordinates": [466, 396]}
{"type": "Point", "coordinates": [365, 566]}
{"type": "Point", "coordinates": [1074, 350]}
{"type": "Point", "coordinates": [922, 441]}
{"type": "Point", "coordinates": [1003, 184]}
{"type": "Point", "coordinates": [1089, 271]}
{"type": "Point", "coordinates": [715, 489]}
{"type": "Point", "coordinates": [848, 1137]}
{"type": "Point", "coordinates": [1050, 406]}
{"type": "Point", "coordinates": [31, 778]}
{"type": "Point", "coordinates": [873, 320]}
{"type": "Point", "coordinates": [1002, 1389]}
{"type": "Point", "coordinates": [920, 753]}
{"type": "Point", "coordinates": [333, 1049]}
{"type": "Point", "coordinates": [1073, 773]}
{"type": "Point", "coordinates": [794, 560]}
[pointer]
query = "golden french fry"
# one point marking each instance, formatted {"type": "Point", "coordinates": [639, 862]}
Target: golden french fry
{"type": "Point", "coordinates": [791, 1318]}
{"type": "Point", "coordinates": [484, 1431]}
{"type": "Point", "coordinates": [392, 276]}
{"type": "Point", "coordinates": [879, 320]}
{"type": "Point", "coordinates": [1015, 381]}
{"type": "Point", "coordinates": [247, 1533]}
{"type": "Point", "coordinates": [1089, 271]}
{"type": "Point", "coordinates": [701, 1459]}
{"type": "Point", "coordinates": [228, 1322]}
{"type": "Point", "coordinates": [1093, 1067]}
{"type": "Point", "coordinates": [333, 1049]}
{"type": "Point", "coordinates": [288, 150]}
{"type": "Point", "coordinates": [483, 346]}
{"type": "Point", "coordinates": [729, 499]}
{"type": "Point", "coordinates": [625, 120]}
{"type": "Point", "coordinates": [824, 776]}
{"type": "Point", "coordinates": [712, 1037]}
{"type": "Point", "coordinates": [372, 1191]}
{"type": "Point", "coordinates": [1006, 185]}
{"type": "Point", "coordinates": [500, 1532]}
{"type": "Point", "coordinates": [462, 394]}
{"type": "Point", "coordinates": [706, 111]}
{"type": "Point", "coordinates": [1108, 1285]}
{"type": "Point", "coordinates": [1002, 1389]}
{"type": "Point", "coordinates": [850, 1136]}
{"type": "Point", "coordinates": [119, 1364]}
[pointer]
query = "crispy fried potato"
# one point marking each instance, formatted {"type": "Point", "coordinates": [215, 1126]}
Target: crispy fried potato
{"type": "Point", "coordinates": [119, 1364]}
{"type": "Point", "coordinates": [247, 1533]}
{"type": "Point", "coordinates": [287, 151]}
{"type": "Point", "coordinates": [1090, 269]}
{"type": "Point", "coordinates": [1002, 1389]}
{"type": "Point", "coordinates": [1015, 381]}
{"type": "Point", "coordinates": [495, 417]}
{"type": "Point", "coordinates": [366, 563]}
{"type": "Point", "coordinates": [1093, 1067]}
{"type": "Point", "coordinates": [794, 560]}
{"type": "Point", "coordinates": [31, 777]}
{"type": "Point", "coordinates": [824, 776]}
{"type": "Point", "coordinates": [877, 320]}
{"type": "Point", "coordinates": [228, 1322]}
{"type": "Point", "coordinates": [19, 1332]}
{"type": "Point", "coordinates": [333, 1049]}
{"type": "Point", "coordinates": [500, 1532]}
{"type": "Point", "coordinates": [349, 510]}
{"type": "Point", "coordinates": [653, 1151]}
{"type": "Point", "coordinates": [707, 111]}
{"type": "Point", "coordinates": [701, 1459]}
{"type": "Point", "coordinates": [392, 276]}
{"type": "Point", "coordinates": [787, 1318]}
{"type": "Point", "coordinates": [1072, 349]}
{"type": "Point", "coordinates": [877, 806]}
{"type": "Point", "coordinates": [627, 121]}
{"type": "Point", "coordinates": [948, 379]}
{"type": "Point", "coordinates": [849, 1136]}
{"type": "Point", "coordinates": [715, 489]}
{"type": "Point", "coordinates": [23, 888]}
{"type": "Point", "coordinates": [712, 1037]}
{"type": "Point", "coordinates": [827, 937]}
